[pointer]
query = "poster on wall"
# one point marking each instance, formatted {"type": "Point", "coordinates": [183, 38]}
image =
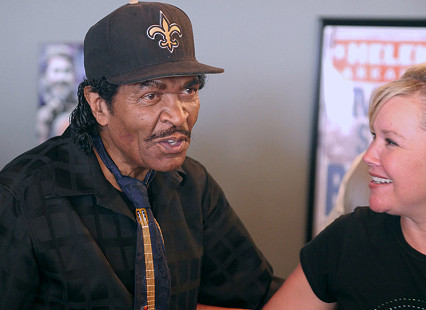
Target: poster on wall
{"type": "Point", "coordinates": [60, 72]}
{"type": "Point", "coordinates": [356, 56]}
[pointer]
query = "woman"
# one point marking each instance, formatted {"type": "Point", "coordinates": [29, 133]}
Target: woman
{"type": "Point", "coordinates": [375, 258]}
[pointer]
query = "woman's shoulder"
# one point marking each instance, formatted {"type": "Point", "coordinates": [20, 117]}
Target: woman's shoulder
{"type": "Point", "coordinates": [362, 220]}
{"type": "Point", "coordinates": [366, 216]}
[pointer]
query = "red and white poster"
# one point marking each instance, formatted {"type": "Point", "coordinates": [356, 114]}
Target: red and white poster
{"type": "Point", "coordinates": [356, 57]}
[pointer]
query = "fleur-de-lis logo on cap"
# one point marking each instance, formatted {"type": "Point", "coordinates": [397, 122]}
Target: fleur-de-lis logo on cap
{"type": "Point", "coordinates": [166, 30]}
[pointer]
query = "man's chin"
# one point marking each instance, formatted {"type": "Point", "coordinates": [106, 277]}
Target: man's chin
{"type": "Point", "coordinates": [170, 164]}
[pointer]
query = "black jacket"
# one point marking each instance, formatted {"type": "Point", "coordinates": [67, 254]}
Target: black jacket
{"type": "Point", "coordinates": [67, 237]}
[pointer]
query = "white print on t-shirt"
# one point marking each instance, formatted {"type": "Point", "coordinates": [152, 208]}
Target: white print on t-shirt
{"type": "Point", "coordinates": [403, 303]}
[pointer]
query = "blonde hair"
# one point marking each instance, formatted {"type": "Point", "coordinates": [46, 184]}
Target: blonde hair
{"type": "Point", "coordinates": [411, 83]}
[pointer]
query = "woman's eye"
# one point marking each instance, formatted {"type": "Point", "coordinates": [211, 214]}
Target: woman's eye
{"type": "Point", "coordinates": [390, 142]}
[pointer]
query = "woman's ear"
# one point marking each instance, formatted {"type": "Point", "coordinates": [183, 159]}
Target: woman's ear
{"type": "Point", "coordinates": [98, 106]}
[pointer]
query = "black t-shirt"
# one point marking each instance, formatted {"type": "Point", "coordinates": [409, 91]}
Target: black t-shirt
{"type": "Point", "coordinates": [362, 261]}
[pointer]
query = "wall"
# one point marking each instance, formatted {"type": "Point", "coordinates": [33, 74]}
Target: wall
{"type": "Point", "coordinates": [254, 129]}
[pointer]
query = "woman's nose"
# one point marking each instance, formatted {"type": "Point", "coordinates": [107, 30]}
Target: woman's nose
{"type": "Point", "coordinates": [371, 155]}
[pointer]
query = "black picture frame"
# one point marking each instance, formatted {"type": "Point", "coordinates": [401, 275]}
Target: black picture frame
{"type": "Point", "coordinates": [355, 56]}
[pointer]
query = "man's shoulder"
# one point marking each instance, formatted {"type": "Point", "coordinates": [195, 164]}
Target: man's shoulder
{"type": "Point", "coordinates": [192, 168]}
{"type": "Point", "coordinates": [38, 162]}
{"type": "Point", "coordinates": [190, 173]}
{"type": "Point", "coordinates": [191, 164]}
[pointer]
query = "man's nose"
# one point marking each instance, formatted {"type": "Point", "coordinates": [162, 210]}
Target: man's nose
{"type": "Point", "coordinates": [174, 110]}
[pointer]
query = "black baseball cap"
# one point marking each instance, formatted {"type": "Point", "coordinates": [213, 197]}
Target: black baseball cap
{"type": "Point", "coordinates": [142, 41]}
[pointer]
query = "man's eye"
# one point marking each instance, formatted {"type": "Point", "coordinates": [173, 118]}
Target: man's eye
{"type": "Point", "coordinates": [151, 97]}
{"type": "Point", "coordinates": [190, 91]}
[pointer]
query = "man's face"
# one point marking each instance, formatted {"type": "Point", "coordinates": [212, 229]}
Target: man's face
{"type": "Point", "coordinates": [60, 76]}
{"type": "Point", "coordinates": [150, 124]}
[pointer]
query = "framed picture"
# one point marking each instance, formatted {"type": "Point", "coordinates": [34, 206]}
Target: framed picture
{"type": "Point", "coordinates": [355, 57]}
{"type": "Point", "coordinates": [60, 72]}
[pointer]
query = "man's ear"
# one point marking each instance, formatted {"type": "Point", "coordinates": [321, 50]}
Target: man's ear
{"type": "Point", "coordinates": [97, 105]}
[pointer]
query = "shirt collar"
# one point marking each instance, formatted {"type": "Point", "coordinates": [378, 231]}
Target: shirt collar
{"type": "Point", "coordinates": [77, 173]}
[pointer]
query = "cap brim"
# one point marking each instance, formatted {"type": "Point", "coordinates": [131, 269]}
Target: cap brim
{"type": "Point", "coordinates": [179, 68]}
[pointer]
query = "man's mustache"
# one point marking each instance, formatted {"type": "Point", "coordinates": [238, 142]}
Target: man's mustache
{"type": "Point", "coordinates": [168, 132]}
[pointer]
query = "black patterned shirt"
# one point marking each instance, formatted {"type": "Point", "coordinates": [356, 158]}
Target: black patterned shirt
{"type": "Point", "coordinates": [68, 238]}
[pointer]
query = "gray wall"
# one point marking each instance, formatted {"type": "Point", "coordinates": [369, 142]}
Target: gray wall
{"type": "Point", "coordinates": [254, 129]}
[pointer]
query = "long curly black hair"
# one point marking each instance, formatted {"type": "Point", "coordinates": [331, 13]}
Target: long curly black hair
{"type": "Point", "coordinates": [82, 122]}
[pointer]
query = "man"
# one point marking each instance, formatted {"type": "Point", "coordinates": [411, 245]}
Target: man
{"type": "Point", "coordinates": [57, 91]}
{"type": "Point", "coordinates": [112, 214]}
